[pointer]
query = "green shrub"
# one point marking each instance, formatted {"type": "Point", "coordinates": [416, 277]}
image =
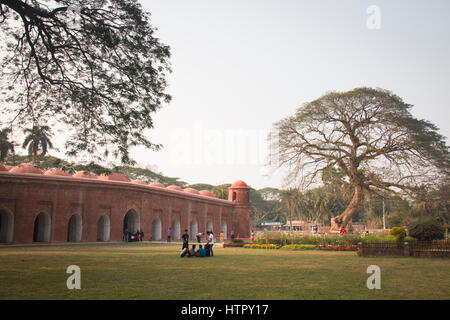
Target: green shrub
{"type": "Point", "coordinates": [282, 239]}
{"type": "Point", "coordinates": [299, 247]}
{"type": "Point", "coordinates": [237, 240]}
{"type": "Point", "coordinates": [398, 232]}
{"type": "Point", "coordinates": [427, 230]}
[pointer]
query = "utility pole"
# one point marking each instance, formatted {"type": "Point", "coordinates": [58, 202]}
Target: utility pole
{"type": "Point", "coordinates": [384, 217]}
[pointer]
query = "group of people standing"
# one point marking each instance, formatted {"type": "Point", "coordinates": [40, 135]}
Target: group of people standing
{"type": "Point", "coordinates": [133, 236]}
{"type": "Point", "coordinates": [201, 252]}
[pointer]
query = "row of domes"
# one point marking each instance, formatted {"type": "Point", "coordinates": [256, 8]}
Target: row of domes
{"type": "Point", "coordinates": [28, 168]}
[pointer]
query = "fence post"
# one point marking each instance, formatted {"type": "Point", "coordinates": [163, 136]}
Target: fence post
{"type": "Point", "coordinates": [406, 251]}
{"type": "Point", "coordinates": [360, 248]}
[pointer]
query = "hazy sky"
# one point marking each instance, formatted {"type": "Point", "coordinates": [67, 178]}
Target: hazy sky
{"type": "Point", "coordinates": [241, 65]}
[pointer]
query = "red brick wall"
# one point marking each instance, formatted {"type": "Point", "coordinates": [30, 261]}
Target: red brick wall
{"type": "Point", "coordinates": [26, 195]}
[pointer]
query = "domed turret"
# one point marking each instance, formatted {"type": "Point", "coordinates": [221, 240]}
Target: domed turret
{"type": "Point", "coordinates": [207, 193]}
{"type": "Point", "coordinates": [156, 184]}
{"type": "Point", "coordinates": [26, 168]}
{"type": "Point", "coordinates": [113, 177]}
{"type": "Point", "coordinates": [172, 187]}
{"type": "Point", "coordinates": [84, 174]}
{"type": "Point", "coordinates": [239, 192]}
{"type": "Point", "coordinates": [191, 190]}
{"type": "Point", "coordinates": [138, 182]}
{"type": "Point", "coordinates": [56, 172]}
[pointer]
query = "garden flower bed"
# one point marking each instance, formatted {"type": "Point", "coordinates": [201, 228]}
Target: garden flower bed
{"type": "Point", "coordinates": [299, 247]}
{"type": "Point", "coordinates": [353, 248]}
{"type": "Point", "coordinates": [261, 246]}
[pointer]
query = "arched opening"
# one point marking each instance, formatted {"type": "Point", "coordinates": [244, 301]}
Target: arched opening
{"type": "Point", "coordinates": [42, 227]}
{"type": "Point", "coordinates": [131, 222]}
{"type": "Point", "coordinates": [223, 229]}
{"type": "Point", "coordinates": [176, 230]}
{"type": "Point", "coordinates": [193, 229]}
{"type": "Point", "coordinates": [156, 229]}
{"type": "Point", "coordinates": [209, 226]}
{"type": "Point", "coordinates": [74, 228]}
{"type": "Point", "coordinates": [6, 226]}
{"type": "Point", "coordinates": [103, 228]}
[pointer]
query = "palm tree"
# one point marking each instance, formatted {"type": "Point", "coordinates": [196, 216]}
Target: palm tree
{"type": "Point", "coordinates": [221, 191]}
{"type": "Point", "coordinates": [5, 145]}
{"type": "Point", "coordinates": [37, 139]}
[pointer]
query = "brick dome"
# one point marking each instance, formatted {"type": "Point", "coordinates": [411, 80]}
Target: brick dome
{"type": "Point", "coordinates": [3, 168]}
{"type": "Point", "coordinates": [172, 187]}
{"type": "Point", "coordinates": [56, 172]}
{"type": "Point", "coordinates": [113, 177]}
{"type": "Point", "coordinates": [239, 184]}
{"type": "Point", "coordinates": [191, 190]}
{"type": "Point", "coordinates": [26, 168]}
{"type": "Point", "coordinates": [84, 174]}
{"type": "Point", "coordinates": [138, 182]}
{"type": "Point", "coordinates": [156, 184]}
{"type": "Point", "coordinates": [207, 193]}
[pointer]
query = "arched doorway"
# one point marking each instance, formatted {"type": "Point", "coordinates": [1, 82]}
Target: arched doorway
{"type": "Point", "coordinates": [74, 228]}
{"type": "Point", "coordinates": [176, 230]}
{"type": "Point", "coordinates": [209, 226]}
{"type": "Point", "coordinates": [103, 228]}
{"type": "Point", "coordinates": [131, 221]}
{"type": "Point", "coordinates": [6, 226]}
{"type": "Point", "coordinates": [223, 229]}
{"type": "Point", "coordinates": [42, 227]}
{"type": "Point", "coordinates": [193, 229]}
{"type": "Point", "coordinates": [156, 229]}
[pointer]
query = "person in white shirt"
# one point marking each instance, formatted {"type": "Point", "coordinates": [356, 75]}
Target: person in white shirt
{"type": "Point", "coordinates": [211, 242]}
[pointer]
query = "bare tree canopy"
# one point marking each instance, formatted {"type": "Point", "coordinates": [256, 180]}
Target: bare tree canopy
{"type": "Point", "coordinates": [94, 66]}
{"type": "Point", "coordinates": [370, 136]}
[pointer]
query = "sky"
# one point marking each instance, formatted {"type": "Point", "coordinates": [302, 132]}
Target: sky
{"type": "Point", "coordinates": [241, 65]}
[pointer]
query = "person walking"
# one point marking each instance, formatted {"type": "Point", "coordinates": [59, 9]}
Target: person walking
{"type": "Point", "coordinates": [169, 234]}
{"type": "Point", "coordinates": [211, 242]}
{"type": "Point", "coordinates": [199, 237]}
{"type": "Point", "coordinates": [185, 238]}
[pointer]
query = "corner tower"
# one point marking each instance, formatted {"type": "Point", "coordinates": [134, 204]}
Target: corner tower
{"type": "Point", "coordinates": [239, 194]}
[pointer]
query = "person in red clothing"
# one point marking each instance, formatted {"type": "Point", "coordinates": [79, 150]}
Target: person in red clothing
{"type": "Point", "coordinates": [342, 231]}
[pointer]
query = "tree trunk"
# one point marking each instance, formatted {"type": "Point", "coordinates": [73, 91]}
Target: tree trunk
{"type": "Point", "coordinates": [342, 220]}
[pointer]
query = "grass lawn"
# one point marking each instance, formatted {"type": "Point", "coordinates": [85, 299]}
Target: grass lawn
{"type": "Point", "coordinates": [152, 271]}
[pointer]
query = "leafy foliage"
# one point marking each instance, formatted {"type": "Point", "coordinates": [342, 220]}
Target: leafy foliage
{"type": "Point", "coordinates": [398, 232]}
{"type": "Point", "coordinates": [38, 139]}
{"type": "Point", "coordinates": [5, 145]}
{"type": "Point", "coordinates": [95, 67]}
{"type": "Point", "coordinates": [221, 191]}
{"type": "Point", "coordinates": [427, 230]}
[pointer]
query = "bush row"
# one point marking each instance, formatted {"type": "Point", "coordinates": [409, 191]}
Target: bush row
{"type": "Point", "coordinates": [346, 240]}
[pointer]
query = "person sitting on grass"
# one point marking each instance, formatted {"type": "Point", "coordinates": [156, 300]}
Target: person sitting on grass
{"type": "Point", "coordinates": [192, 251]}
{"type": "Point", "coordinates": [184, 252]}
{"type": "Point", "coordinates": [200, 252]}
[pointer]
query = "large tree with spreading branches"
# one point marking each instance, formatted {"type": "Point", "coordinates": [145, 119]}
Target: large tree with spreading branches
{"type": "Point", "coordinates": [370, 136]}
{"type": "Point", "coordinates": [92, 67]}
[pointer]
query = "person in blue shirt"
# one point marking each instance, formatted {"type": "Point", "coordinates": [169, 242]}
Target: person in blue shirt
{"type": "Point", "coordinates": [201, 251]}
